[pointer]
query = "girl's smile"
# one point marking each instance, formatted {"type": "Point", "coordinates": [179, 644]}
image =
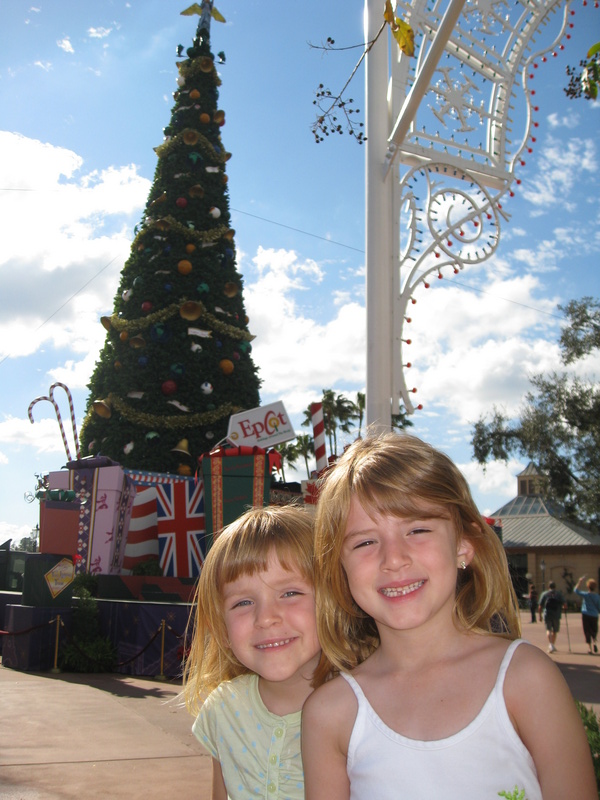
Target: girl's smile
{"type": "Point", "coordinates": [401, 591]}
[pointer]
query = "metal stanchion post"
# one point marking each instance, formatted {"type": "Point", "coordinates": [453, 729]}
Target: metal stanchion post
{"type": "Point", "coordinates": [161, 676]}
{"type": "Point", "coordinates": [567, 626]}
{"type": "Point", "coordinates": [55, 667]}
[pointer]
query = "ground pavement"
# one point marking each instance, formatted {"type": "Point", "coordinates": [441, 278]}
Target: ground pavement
{"type": "Point", "coordinates": [66, 736]}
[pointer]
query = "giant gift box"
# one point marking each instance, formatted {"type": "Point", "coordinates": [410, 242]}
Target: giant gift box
{"type": "Point", "coordinates": [235, 479]}
{"type": "Point", "coordinates": [167, 523]}
{"type": "Point", "coordinates": [59, 523]}
{"type": "Point", "coordinates": [105, 495]}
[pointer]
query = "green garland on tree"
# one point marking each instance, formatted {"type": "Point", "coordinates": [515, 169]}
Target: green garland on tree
{"type": "Point", "coordinates": [177, 358]}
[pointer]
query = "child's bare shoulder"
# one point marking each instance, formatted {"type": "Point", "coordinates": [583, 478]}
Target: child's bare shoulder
{"type": "Point", "coordinates": [329, 714]}
{"type": "Point", "coordinates": [534, 680]}
{"type": "Point", "coordinates": [529, 661]}
{"type": "Point", "coordinates": [334, 696]}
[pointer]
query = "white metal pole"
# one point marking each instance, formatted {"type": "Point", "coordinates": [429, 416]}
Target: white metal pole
{"type": "Point", "coordinates": [378, 226]}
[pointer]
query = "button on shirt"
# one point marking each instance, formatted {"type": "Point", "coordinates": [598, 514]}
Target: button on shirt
{"type": "Point", "coordinates": [259, 752]}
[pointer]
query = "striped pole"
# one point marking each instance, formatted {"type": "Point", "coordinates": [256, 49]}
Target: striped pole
{"type": "Point", "coordinates": [51, 399]}
{"type": "Point", "coordinates": [318, 424]}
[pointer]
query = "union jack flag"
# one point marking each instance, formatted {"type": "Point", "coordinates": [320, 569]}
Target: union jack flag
{"type": "Point", "coordinates": [181, 528]}
{"type": "Point", "coordinates": [142, 538]}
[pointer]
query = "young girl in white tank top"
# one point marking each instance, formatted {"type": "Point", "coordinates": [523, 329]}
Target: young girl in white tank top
{"type": "Point", "coordinates": [437, 697]}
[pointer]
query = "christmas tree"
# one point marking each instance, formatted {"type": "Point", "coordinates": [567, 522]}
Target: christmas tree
{"type": "Point", "coordinates": [177, 358]}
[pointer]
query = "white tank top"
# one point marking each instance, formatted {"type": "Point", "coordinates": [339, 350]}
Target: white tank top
{"type": "Point", "coordinates": [485, 758]}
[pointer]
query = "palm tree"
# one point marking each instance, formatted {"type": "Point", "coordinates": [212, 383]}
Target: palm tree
{"type": "Point", "coordinates": [360, 411]}
{"type": "Point", "coordinates": [344, 413]}
{"type": "Point", "coordinates": [305, 447]}
{"type": "Point", "coordinates": [338, 411]}
{"type": "Point", "coordinates": [401, 421]}
{"type": "Point", "coordinates": [329, 417]}
{"type": "Point", "coordinates": [289, 453]}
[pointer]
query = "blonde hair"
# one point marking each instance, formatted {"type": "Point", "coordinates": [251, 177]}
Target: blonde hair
{"type": "Point", "coordinates": [243, 548]}
{"type": "Point", "coordinates": [401, 476]}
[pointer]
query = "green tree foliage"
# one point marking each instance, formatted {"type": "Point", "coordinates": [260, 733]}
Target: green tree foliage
{"type": "Point", "coordinates": [289, 455]}
{"type": "Point", "coordinates": [344, 416]}
{"type": "Point", "coordinates": [87, 649]}
{"type": "Point", "coordinates": [583, 333]}
{"type": "Point", "coordinates": [305, 447]}
{"type": "Point", "coordinates": [592, 730]}
{"type": "Point", "coordinates": [177, 359]}
{"type": "Point", "coordinates": [559, 424]}
{"type": "Point", "coordinates": [584, 79]}
{"type": "Point", "coordinates": [361, 402]}
{"type": "Point", "coordinates": [25, 545]}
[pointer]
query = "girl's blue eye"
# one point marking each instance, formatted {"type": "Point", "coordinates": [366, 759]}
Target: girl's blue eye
{"type": "Point", "coordinates": [242, 603]}
{"type": "Point", "coordinates": [363, 544]}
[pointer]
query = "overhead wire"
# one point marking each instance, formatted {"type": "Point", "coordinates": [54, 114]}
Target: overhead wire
{"type": "Point", "coordinates": [464, 286]}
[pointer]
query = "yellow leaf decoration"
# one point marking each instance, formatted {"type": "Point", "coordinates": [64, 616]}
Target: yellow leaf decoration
{"type": "Point", "coordinates": [388, 13]}
{"type": "Point", "coordinates": [405, 37]}
{"type": "Point", "coordinates": [401, 31]}
{"type": "Point", "coordinates": [195, 8]}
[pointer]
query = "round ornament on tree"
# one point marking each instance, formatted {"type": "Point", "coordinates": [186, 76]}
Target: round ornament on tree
{"type": "Point", "coordinates": [168, 388]}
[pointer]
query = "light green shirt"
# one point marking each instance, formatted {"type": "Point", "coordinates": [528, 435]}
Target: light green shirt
{"type": "Point", "coordinates": [259, 752]}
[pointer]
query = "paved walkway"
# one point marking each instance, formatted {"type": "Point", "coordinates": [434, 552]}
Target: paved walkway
{"type": "Point", "coordinates": [88, 737]}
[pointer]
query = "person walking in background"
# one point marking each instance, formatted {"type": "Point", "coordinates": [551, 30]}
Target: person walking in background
{"type": "Point", "coordinates": [533, 598]}
{"type": "Point", "coordinates": [590, 609]}
{"type": "Point", "coordinates": [551, 606]}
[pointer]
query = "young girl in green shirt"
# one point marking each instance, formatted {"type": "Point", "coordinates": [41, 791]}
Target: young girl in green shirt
{"type": "Point", "coordinates": [253, 654]}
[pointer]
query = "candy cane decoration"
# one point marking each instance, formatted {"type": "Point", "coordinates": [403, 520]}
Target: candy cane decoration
{"type": "Point", "coordinates": [50, 399]}
{"type": "Point", "coordinates": [318, 424]}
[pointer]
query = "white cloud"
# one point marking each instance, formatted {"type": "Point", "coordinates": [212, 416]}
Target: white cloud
{"type": "Point", "coordinates": [561, 164]}
{"type": "Point", "coordinates": [497, 479]}
{"type": "Point", "coordinates": [45, 65]}
{"type": "Point", "coordinates": [14, 532]}
{"type": "Point", "coordinates": [569, 121]}
{"type": "Point", "coordinates": [298, 356]}
{"type": "Point", "coordinates": [71, 264]}
{"type": "Point", "coordinates": [65, 44]}
{"type": "Point", "coordinates": [99, 33]}
{"type": "Point", "coordinates": [43, 435]}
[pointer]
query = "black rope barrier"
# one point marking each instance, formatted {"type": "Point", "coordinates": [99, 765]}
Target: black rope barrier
{"type": "Point", "coordinates": [28, 630]}
{"type": "Point", "coordinates": [143, 650]}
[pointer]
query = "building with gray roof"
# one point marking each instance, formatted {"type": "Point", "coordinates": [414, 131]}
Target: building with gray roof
{"type": "Point", "coordinates": [541, 543]}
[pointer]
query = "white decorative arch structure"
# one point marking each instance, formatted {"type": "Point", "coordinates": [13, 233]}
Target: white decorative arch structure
{"type": "Point", "coordinates": [442, 152]}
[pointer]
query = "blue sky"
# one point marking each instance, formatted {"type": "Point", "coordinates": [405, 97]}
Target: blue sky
{"type": "Point", "coordinates": [85, 91]}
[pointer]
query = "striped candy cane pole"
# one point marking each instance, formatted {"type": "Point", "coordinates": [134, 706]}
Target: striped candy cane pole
{"type": "Point", "coordinates": [72, 414]}
{"type": "Point", "coordinates": [50, 399]}
{"type": "Point", "coordinates": [54, 403]}
{"type": "Point", "coordinates": [318, 425]}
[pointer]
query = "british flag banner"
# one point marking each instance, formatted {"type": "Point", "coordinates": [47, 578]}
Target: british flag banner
{"type": "Point", "coordinates": [142, 539]}
{"type": "Point", "coordinates": [181, 527]}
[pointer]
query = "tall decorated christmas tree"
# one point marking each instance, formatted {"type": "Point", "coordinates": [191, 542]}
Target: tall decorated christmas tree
{"type": "Point", "coordinates": [177, 358]}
